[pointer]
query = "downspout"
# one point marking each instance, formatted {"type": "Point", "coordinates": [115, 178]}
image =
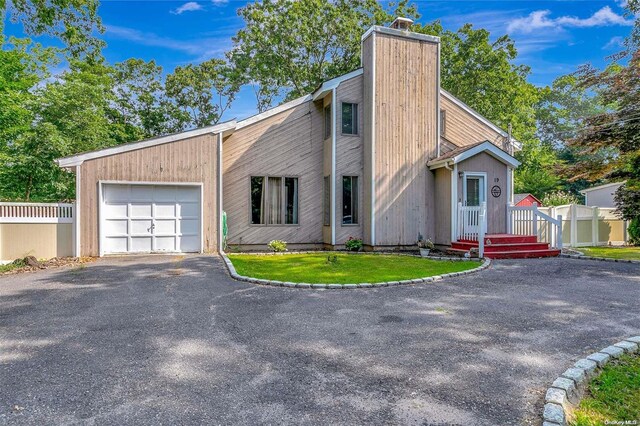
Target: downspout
{"type": "Point", "coordinates": [438, 111]}
{"type": "Point", "coordinates": [76, 215]}
{"type": "Point", "coordinates": [373, 142]}
{"type": "Point", "coordinates": [334, 107]}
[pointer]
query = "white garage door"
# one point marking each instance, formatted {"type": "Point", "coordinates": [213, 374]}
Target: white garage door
{"type": "Point", "coordinates": [150, 218]}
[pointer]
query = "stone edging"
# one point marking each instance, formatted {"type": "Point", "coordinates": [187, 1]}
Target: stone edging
{"type": "Point", "coordinates": [567, 390]}
{"type": "Point", "coordinates": [236, 276]}
{"type": "Point", "coordinates": [582, 256]}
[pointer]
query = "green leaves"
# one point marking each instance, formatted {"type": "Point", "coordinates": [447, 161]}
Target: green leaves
{"type": "Point", "coordinates": [288, 48]}
{"type": "Point", "coordinates": [202, 93]}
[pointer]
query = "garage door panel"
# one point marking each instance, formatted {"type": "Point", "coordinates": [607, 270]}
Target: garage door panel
{"type": "Point", "coordinates": [164, 210]}
{"type": "Point", "coordinates": [116, 245]}
{"type": "Point", "coordinates": [189, 243]}
{"type": "Point", "coordinates": [151, 218]}
{"type": "Point", "coordinates": [116, 227]}
{"type": "Point", "coordinates": [142, 193]}
{"type": "Point", "coordinates": [141, 245]}
{"type": "Point", "coordinates": [141, 226]}
{"type": "Point", "coordinates": [188, 194]}
{"type": "Point", "coordinates": [115, 210]}
{"type": "Point", "coordinates": [141, 210]}
{"type": "Point", "coordinates": [165, 226]}
{"type": "Point", "coordinates": [189, 227]}
{"type": "Point", "coordinates": [116, 193]}
{"type": "Point", "coordinates": [188, 210]}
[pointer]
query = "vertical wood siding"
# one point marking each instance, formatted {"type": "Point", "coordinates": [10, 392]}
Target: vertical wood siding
{"type": "Point", "coordinates": [286, 144]}
{"type": "Point", "coordinates": [349, 158]}
{"type": "Point", "coordinates": [464, 129]}
{"type": "Point", "coordinates": [406, 95]}
{"type": "Point", "coordinates": [496, 207]}
{"type": "Point", "coordinates": [443, 206]}
{"type": "Point", "coordinates": [190, 160]}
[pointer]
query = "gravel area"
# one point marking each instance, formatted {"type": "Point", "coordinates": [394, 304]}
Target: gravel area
{"type": "Point", "coordinates": [174, 340]}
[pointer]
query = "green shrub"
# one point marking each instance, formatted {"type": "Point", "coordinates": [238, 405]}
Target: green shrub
{"type": "Point", "coordinates": [353, 244]}
{"type": "Point", "coordinates": [634, 232]}
{"type": "Point", "coordinates": [278, 245]}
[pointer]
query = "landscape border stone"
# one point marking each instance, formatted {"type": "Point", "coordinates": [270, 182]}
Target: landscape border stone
{"type": "Point", "coordinates": [335, 286]}
{"type": "Point", "coordinates": [575, 254]}
{"type": "Point", "coordinates": [567, 390]}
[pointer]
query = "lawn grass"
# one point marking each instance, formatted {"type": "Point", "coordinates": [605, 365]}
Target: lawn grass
{"type": "Point", "coordinates": [612, 396]}
{"type": "Point", "coordinates": [346, 269]}
{"type": "Point", "coordinates": [628, 253]}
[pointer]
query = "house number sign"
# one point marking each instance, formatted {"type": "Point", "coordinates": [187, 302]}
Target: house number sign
{"type": "Point", "coordinates": [496, 191]}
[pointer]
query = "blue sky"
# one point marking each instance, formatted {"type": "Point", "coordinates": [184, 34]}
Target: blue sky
{"type": "Point", "coordinates": [553, 37]}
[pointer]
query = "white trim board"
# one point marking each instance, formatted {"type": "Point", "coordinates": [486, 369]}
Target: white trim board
{"type": "Point", "coordinates": [76, 160]}
{"type": "Point", "coordinates": [517, 144]}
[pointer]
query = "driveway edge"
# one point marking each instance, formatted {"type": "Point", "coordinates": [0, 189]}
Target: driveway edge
{"type": "Point", "coordinates": [234, 274]}
{"type": "Point", "coordinates": [567, 390]}
{"type": "Point", "coordinates": [602, 259]}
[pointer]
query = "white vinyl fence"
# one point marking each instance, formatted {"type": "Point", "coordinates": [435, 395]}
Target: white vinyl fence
{"type": "Point", "coordinates": [571, 225]}
{"type": "Point", "coordinates": [43, 230]}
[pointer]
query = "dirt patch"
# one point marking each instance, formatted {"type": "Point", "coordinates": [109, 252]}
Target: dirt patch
{"type": "Point", "coordinates": [31, 264]}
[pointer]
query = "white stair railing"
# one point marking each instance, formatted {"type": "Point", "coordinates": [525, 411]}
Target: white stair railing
{"type": "Point", "coordinates": [529, 220]}
{"type": "Point", "coordinates": [472, 224]}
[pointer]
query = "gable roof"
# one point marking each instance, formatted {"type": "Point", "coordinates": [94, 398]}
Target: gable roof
{"type": "Point", "coordinates": [519, 197]}
{"type": "Point", "coordinates": [76, 160]}
{"type": "Point", "coordinates": [606, 185]}
{"type": "Point", "coordinates": [465, 152]}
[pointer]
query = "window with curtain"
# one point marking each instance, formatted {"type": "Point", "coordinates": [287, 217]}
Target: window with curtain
{"type": "Point", "coordinates": [274, 200]}
{"type": "Point", "coordinates": [349, 200]}
{"type": "Point", "coordinates": [326, 201]}
{"type": "Point", "coordinates": [327, 122]}
{"type": "Point", "coordinates": [349, 118]}
{"type": "Point", "coordinates": [443, 122]}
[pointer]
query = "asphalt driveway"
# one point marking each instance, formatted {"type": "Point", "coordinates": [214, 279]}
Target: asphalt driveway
{"type": "Point", "coordinates": [169, 340]}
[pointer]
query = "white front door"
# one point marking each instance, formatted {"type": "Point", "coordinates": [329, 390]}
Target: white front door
{"type": "Point", "coordinates": [474, 193]}
{"type": "Point", "coordinates": [138, 218]}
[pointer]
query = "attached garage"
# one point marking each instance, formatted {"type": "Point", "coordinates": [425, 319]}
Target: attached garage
{"type": "Point", "coordinates": [160, 195]}
{"type": "Point", "coordinates": [150, 218]}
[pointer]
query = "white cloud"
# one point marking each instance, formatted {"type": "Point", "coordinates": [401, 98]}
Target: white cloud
{"type": "Point", "coordinates": [191, 6]}
{"type": "Point", "coordinates": [540, 19]}
{"type": "Point", "coordinates": [200, 48]}
{"type": "Point", "coordinates": [219, 2]}
{"type": "Point", "coordinates": [614, 43]}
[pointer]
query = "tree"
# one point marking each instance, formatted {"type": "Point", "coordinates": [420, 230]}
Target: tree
{"type": "Point", "coordinates": [483, 74]}
{"type": "Point", "coordinates": [141, 100]}
{"type": "Point", "coordinates": [202, 93]}
{"type": "Point", "coordinates": [610, 141]}
{"type": "Point", "coordinates": [288, 48]}
{"type": "Point", "coordinates": [73, 21]}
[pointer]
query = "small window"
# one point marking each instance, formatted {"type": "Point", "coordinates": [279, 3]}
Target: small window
{"type": "Point", "coordinates": [327, 122]}
{"type": "Point", "coordinates": [291, 200]}
{"type": "Point", "coordinates": [349, 119]}
{"type": "Point", "coordinates": [443, 122]}
{"type": "Point", "coordinates": [349, 200]}
{"type": "Point", "coordinates": [274, 200]}
{"type": "Point", "coordinates": [326, 201]}
{"type": "Point", "coordinates": [258, 200]}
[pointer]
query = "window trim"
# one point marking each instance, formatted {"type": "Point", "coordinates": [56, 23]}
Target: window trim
{"type": "Point", "coordinates": [326, 186]}
{"type": "Point", "coordinates": [357, 127]}
{"type": "Point", "coordinates": [284, 202]}
{"type": "Point", "coordinates": [443, 123]}
{"type": "Point", "coordinates": [328, 131]}
{"type": "Point", "coordinates": [357, 201]}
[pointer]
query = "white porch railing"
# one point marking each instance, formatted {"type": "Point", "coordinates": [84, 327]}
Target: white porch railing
{"type": "Point", "coordinates": [529, 220]}
{"type": "Point", "coordinates": [472, 224]}
{"type": "Point", "coordinates": [36, 212]}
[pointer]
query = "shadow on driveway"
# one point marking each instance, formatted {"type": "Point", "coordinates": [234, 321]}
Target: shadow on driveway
{"type": "Point", "coordinates": [172, 339]}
